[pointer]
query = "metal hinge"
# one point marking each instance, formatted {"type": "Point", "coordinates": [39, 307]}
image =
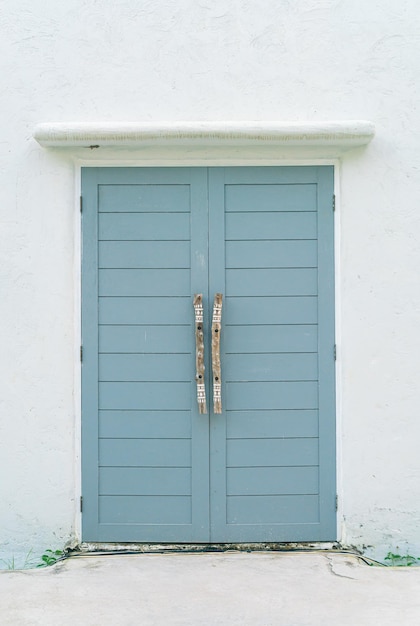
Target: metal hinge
{"type": "Point", "coordinates": [335, 352]}
{"type": "Point", "coordinates": [81, 204]}
{"type": "Point", "coordinates": [81, 354]}
{"type": "Point", "coordinates": [336, 503]}
{"type": "Point", "coordinates": [81, 504]}
{"type": "Point", "coordinates": [333, 203]}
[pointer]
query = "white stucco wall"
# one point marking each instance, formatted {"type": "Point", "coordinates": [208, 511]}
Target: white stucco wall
{"type": "Point", "coordinates": [211, 60]}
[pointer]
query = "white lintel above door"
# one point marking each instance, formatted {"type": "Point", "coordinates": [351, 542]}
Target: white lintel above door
{"type": "Point", "coordinates": [328, 138]}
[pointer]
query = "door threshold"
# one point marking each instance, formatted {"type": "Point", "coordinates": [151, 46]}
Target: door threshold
{"type": "Point", "coordinates": [168, 548]}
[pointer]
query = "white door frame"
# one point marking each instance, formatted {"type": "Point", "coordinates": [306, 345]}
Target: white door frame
{"type": "Point", "coordinates": [166, 158]}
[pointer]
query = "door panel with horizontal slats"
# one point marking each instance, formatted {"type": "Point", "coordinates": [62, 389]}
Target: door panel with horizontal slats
{"type": "Point", "coordinates": [154, 469]}
{"type": "Point", "coordinates": [273, 448]}
{"type": "Point", "coordinates": [149, 479]}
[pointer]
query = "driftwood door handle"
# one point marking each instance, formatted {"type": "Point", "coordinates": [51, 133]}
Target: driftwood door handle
{"type": "Point", "coordinates": [216, 328]}
{"type": "Point", "coordinates": [199, 353]}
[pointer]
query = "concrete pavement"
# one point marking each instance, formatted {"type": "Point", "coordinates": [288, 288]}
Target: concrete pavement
{"type": "Point", "coordinates": [258, 589]}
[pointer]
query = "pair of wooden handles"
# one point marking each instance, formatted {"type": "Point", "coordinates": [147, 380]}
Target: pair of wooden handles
{"type": "Point", "coordinates": [216, 328]}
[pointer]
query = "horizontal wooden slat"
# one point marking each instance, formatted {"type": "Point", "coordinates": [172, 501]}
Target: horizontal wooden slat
{"type": "Point", "coordinates": [145, 367]}
{"type": "Point", "coordinates": [272, 509]}
{"type": "Point", "coordinates": [272, 197]}
{"type": "Point", "coordinates": [146, 282]}
{"type": "Point", "coordinates": [246, 226]}
{"type": "Point", "coordinates": [271, 310]}
{"type": "Point", "coordinates": [144, 226]}
{"type": "Point", "coordinates": [143, 310]}
{"type": "Point", "coordinates": [271, 282]}
{"type": "Point", "coordinates": [269, 367]}
{"type": "Point", "coordinates": [145, 509]}
{"type": "Point", "coordinates": [176, 396]}
{"type": "Point", "coordinates": [272, 452]}
{"type": "Point", "coordinates": [171, 339]}
{"type": "Point", "coordinates": [271, 395]}
{"type": "Point", "coordinates": [261, 481]}
{"type": "Point", "coordinates": [275, 423]}
{"type": "Point", "coordinates": [145, 452]}
{"type": "Point", "coordinates": [299, 338]}
{"type": "Point", "coordinates": [284, 175]}
{"type": "Point", "coordinates": [145, 424]}
{"type": "Point", "coordinates": [283, 253]}
{"type": "Point", "coordinates": [137, 198]}
{"type": "Point", "coordinates": [144, 481]}
{"type": "Point", "coordinates": [148, 254]}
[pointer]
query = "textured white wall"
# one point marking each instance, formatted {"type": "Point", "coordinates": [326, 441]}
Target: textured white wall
{"type": "Point", "coordinates": [145, 60]}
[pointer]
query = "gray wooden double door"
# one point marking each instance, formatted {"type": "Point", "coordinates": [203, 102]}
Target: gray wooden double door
{"type": "Point", "coordinates": [154, 469]}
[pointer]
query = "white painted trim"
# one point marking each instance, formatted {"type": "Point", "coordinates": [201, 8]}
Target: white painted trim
{"type": "Point", "coordinates": [202, 161]}
{"type": "Point", "coordinates": [338, 363]}
{"type": "Point", "coordinates": [77, 391]}
{"type": "Point", "coordinates": [342, 135]}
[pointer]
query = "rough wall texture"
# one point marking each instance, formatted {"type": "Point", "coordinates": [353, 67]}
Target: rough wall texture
{"type": "Point", "coordinates": [212, 60]}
